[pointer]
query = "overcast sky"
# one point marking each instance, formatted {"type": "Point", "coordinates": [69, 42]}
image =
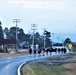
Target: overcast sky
{"type": "Point", "coordinates": [58, 16]}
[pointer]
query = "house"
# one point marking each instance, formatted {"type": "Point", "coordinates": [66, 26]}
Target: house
{"type": "Point", "coordinates": [10, 43]}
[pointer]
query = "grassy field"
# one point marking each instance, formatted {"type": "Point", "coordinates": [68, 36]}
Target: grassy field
{"type": "Point", "coordinates": [42, 69]}
{"type": "Point", "coordinates": [12, 54]}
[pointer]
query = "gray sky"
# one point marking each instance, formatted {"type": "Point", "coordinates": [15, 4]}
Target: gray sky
{"type": "Point", "coordinates": [58, 16]}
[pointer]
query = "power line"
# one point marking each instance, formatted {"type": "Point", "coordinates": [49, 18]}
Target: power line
{"type": "Point", "coordinates": [16, 21]}
{"type": "Point", "coordinates": [52, 35]}
{"type": "Point", "coordinates": [34, 28]}
{"type": "Point", "coordinates": [44, 37]}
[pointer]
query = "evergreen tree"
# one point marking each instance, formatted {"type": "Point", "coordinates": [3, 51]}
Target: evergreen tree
{"type": "Point", "coordinates": [67, 40]}
{"type": "Point", "coordinates": [47, 38]}
{"type": "Point", "coordinates": [1, 31]}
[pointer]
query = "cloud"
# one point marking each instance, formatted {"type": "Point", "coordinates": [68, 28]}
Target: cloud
{"type": "Point", "coordinates": [39, 4]}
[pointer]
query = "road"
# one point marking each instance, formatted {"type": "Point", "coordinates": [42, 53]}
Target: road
{"type": "Point", "coordinates": [9, 66]}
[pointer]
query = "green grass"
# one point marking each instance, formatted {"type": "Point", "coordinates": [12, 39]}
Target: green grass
{"type": "Point", "coordinates": [38, 69]}
{"type": "Point", "coordinates": [24, 72]}
{"type": "Point", "coordinates": [52, 58]}
{"type": "Point", "coordinates": [41, 69]}
{"type": "Point", "coordinates": [58, 70]}
{"type": "Point", "coordinates": [74, 49]}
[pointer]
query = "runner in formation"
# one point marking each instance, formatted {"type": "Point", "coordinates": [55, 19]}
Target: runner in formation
{"type": "Point", "coordinates": [46, 51]}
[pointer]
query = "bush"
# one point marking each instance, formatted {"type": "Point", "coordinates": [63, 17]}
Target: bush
{"type": "Point", "coordinates": [1, 50]}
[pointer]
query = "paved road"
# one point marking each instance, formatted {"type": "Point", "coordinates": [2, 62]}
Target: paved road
{"type": "Point", "coordinates": [9, 66]}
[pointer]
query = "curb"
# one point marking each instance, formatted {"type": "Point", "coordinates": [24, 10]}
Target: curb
{"type": "Point", "coordinates": [19, 68]}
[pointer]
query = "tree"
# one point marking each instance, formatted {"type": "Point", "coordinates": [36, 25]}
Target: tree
{"type": "Point", "coordinates": [1, 31]}
{"type": "Point", "coordinates": [67, 40]}
{"type": "Point", "coordinates": [47, 38]}
{"type": "Point", "coordinates": [13, 32]}
{"type": "Point", "coordinates": [21, 35]}
{"type": "Point", "coordinates": [37, 38]}
{"type": "Point", "coordinates": [47, 33]}
{"type": "Point", "coordinates": [37, 35]}
{"type": "Point", "coordinates": [7, 33]}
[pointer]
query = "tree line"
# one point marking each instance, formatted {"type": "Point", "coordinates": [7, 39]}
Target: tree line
{"type": "Point", "coordinates": [10, 33]}
{"type": "Point", "coordinates": [26, 38]}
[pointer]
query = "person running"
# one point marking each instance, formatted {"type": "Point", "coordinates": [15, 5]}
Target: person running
{"type": "Point", "coordinates": [34, 52]}
{"type": "Point", "coordinates": [30, 51]}
{"type": "Point", "coordinates": [39, 51]}
{"type": "Point", "coordinates": [43, 51]}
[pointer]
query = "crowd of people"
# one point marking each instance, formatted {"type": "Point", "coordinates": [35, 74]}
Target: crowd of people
{"type": "Point", "coordinates": [46, 51]}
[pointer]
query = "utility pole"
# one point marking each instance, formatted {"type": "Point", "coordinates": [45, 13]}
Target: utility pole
{"type": "Point", "coordinates": [58, 40]}
{"type": "Point", "coordinates": [44, 36]}
{"type": "Point", "coordinates": [16, 21]}
{"type": "Point", "coordinates": [62, 42]}
{"type": "Point", "coordinates": [33, 28]}
{"type": "Point", "coordinates": [52, 38]}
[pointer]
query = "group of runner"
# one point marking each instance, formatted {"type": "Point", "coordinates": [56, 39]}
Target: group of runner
{"type": "Point", "coordinates": [46, 51]}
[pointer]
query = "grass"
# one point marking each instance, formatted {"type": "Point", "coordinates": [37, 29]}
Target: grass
{"type": "Point", "coordinates": [38, 69]}
{"type": "Point", "coordinates": [12, 54]}
{"type": "Point", "coordinates": [41, 69]}
{"type": "Point", "coordinates": [49, 70]}
{"type": "Point", "coordinates": [52, 58]}
{"type": "Point", "coordinates": [74, 48]}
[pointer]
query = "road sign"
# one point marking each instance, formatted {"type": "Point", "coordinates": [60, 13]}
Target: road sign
{"type": "Point", "coordinates": [70, 46]}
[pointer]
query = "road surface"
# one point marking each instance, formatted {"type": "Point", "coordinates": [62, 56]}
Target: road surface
{"type": "Point", "coordinates": [9, 66]}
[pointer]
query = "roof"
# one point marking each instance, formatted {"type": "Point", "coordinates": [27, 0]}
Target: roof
{"type": "Point", "coordinates": [8, 41]}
